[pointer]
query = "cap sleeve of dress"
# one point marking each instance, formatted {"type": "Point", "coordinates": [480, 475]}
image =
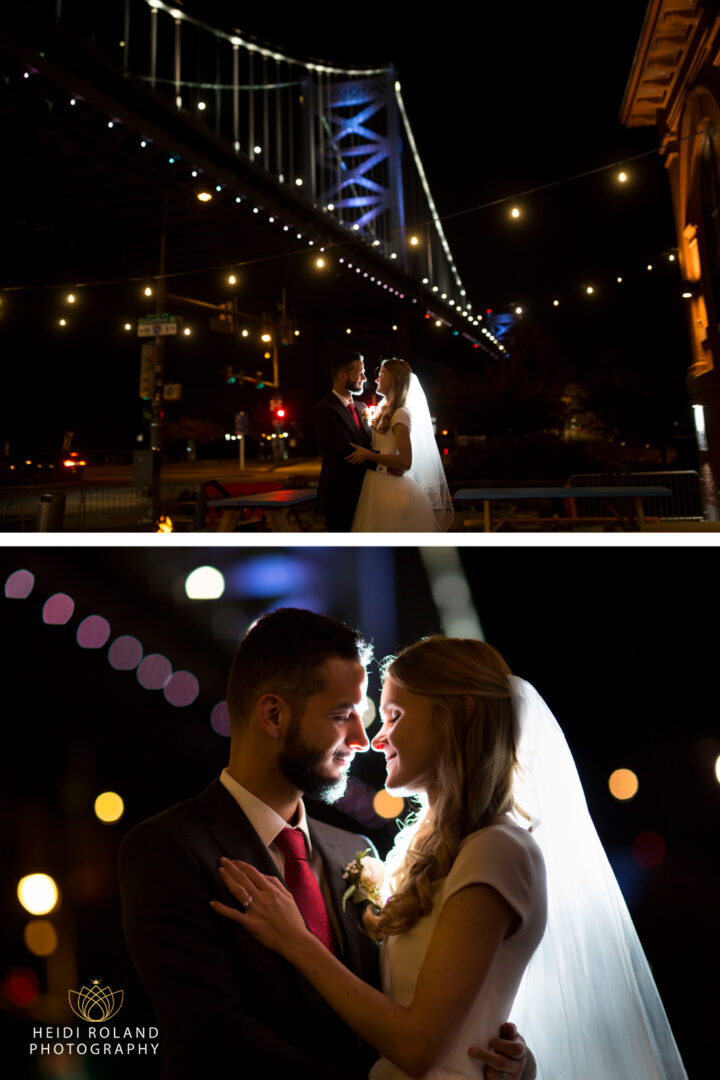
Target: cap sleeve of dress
{"type": "Point", "coordinates": [505, 857]}
{"type": "Point", "coordinates": [400, 416]}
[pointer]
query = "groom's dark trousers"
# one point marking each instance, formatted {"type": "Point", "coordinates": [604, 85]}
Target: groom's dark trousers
{"type": "Point", "coordinates": [227, 1007]}
{"type": "Point", "coordinates": [340, 482]}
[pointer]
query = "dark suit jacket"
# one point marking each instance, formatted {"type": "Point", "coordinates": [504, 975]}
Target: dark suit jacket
{"type": "Point", "coordinates": [227, 1007]}
{"type": "Point", "coordinates": [340, 482]}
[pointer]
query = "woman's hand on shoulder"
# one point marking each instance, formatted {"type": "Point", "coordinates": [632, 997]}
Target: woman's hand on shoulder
{"type": "Point", "coordinates": [271, 914]}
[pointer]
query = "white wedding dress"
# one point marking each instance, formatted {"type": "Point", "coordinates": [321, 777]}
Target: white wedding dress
{"type": "Point", "coordinates": [391, 503]}
{"type": "Point", "coordinates": [505, 856]}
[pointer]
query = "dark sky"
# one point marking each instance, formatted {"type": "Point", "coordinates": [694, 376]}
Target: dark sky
{"type": "Point", "coordinates": [509, 99]}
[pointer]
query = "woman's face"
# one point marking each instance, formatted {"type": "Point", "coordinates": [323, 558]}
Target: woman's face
{"type": "Point", "coordinates": [407, 738]}
{"type": "Point", "coordinates": [384, 382]}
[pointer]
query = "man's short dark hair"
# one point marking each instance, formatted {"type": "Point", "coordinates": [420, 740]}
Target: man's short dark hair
{"type": "Point", "coordinates": [343, 361]}
{"type": "Point", "coordinates": [283, 653]}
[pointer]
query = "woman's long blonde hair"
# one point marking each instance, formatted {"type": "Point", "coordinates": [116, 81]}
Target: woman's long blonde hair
{"type": "Point", "coordinates": [467, 682]}
{"type": "Point", "coordinates": [400, 371]}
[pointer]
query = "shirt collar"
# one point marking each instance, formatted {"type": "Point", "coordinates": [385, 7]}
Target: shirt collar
{"type": "Point", "coordinates": [264, 820]}
{"type": "Point", "coordinates": [341, 398]}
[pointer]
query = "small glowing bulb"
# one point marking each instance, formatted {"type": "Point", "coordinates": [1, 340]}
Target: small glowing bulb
{"type": "Point", "coordinates": [245, 333]}
{"type": "Point", "coordinates": [298, 182]}
{"type": "Point", "coordinates": [619, 281]}
{"type": "Point", "coordinates": [515, 212]}
{"type": "Point", "coordinates": [518, 311]}
{"type": "Point", "coordinates": [622, 177]}
{"type": "Point", "coordinates": [320, 263]}
{"type": "Point", "coordinates": [62, 322]}
{"type": "Point", "coordinates": [414, 241]}
{"type": "Point", "coordinates": [257, 149]}
{"type": "Point", "coordinates": [232, 280]}
{"type": "Point", "coordinates": [348, 331]}
{"type": "Point", "coordinates": [201, 106]}
{"type": "Point", "coordinates": [589, 290]}
{"type": "Point", "coordinates": [70, 298]}
{"type": "Point", "coordinates": [148, 290]}
{"type": "Point", "coordinates": [204, 196]}
{"type": "Point", "coordinates": [556, 303]}
{"type": "Point", "coordinates": [649, 266]}
{"type": "Point", "coordinates": [265, 337]}
{"type": "Point", "coordinates": [187, 331]}
{"type": "Point", "coordinates": [128, 326]}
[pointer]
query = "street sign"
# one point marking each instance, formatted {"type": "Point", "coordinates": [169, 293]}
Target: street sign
{"type": "Point", "coordinates": [157, 325]}
{"type": "Point", "coordinates": [241, 423]}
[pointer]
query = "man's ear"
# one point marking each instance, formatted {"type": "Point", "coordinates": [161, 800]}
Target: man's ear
{"type": "Point", "coordinates": [273, 712]}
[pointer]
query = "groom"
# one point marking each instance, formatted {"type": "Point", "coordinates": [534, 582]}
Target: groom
{"type": "Point", "coordinates": [226, 1006]}
{"type": "Point", "coordinates": [338, 423]}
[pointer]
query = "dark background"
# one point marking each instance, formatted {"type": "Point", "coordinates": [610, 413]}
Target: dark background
{"type": "Point", "coordinates": [502, 100]}
{"type": "Point", "coordinates": [615, 639]}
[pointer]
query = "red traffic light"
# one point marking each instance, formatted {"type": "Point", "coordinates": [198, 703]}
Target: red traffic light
{"type": "Point", "coordinates": [280, 413]}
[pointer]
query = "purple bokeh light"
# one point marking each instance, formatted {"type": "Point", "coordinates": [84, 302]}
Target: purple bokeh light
{"type": "Point", "coordinates": [220, 719]}
{"type": "Point", "coordinates": [93, 632]}
{"type": "Point", "coordinates": [182, 688]}
{"type": "Point", "coordinates": [125, 653]}
{"type": "Point", "coordinates": [19, 585]}
{"type": "Point", "coordinates": [58, 609]}
{"type": "Point", "coordinates": [154, 671]}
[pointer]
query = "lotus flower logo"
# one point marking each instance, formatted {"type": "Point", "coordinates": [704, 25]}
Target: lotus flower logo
{"type": "Point", "coordinates": [96, 1003]}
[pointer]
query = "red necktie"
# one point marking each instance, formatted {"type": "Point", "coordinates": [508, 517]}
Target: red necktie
{"type": "Point", "coordinates": [354, 415]}
{"type": "Point", "coordinates": [304, 886]}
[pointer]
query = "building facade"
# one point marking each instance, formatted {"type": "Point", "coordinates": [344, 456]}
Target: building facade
{"type": "Point", "coordinates": [674, 85]}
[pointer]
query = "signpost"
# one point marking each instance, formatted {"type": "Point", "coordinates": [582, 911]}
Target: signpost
{"type": "Point", "coordinates": [157, 325]}
{"type": "Point", "coordinates": [241, 430]}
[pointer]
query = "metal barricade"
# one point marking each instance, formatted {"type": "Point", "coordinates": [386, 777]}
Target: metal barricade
{"type": "Point", "coordinates": [685, 503]}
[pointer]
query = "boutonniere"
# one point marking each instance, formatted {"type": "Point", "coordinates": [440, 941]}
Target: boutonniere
{"type": "Point", "coordinates": [365, 875]}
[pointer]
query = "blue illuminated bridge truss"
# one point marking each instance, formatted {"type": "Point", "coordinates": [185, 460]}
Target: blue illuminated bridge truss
{"type": "Point", "coordinates": [336, 142]}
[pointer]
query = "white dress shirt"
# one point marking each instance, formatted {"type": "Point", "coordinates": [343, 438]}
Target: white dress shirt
{"type": "Point", "coordinates": [267, 824]}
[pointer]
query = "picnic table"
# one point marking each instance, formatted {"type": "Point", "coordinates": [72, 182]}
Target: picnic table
{"type": "Point", "coordinates": [609, 496]}
{"type": "Point", "coordinates": [277, 505]}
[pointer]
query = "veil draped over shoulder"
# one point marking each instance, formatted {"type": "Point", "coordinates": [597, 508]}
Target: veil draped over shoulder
{"type": "Point", "coordinates": [427, 469]}
{"type": "Point", "coordinates": [588, 1005]}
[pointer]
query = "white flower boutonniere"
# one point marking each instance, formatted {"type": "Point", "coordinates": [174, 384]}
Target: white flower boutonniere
{"type": "Point", "coordinates": [365, 875]}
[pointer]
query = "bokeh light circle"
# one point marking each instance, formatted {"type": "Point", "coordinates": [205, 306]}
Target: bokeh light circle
{"type": "Point", "coordinates": [369, 713]}
{"type": "Point", "coordinates": [220, 719]}
{"type": "Point", "coordinates": [205, 583]}
{"type": "Point", "coordinates": [109, 807]}
{"type": "Point", "coordinates": [40, 937]}
{"type": "Point", "coordinates": [125, 653]}
{"type": "Point", "coordinates": [58, 609]}
{"type": "Point", "coordinates": [93, 632]}
{"type": "Point", "coordinates": [22, 987]}
{"type": "Point", "coordinates": [37, 893]}
{"type": "Point", "coordinates": [623, 784]}
{"type": "Point", "coordinates": [386, 805]}
{"type": "Point", "coordinates": [154, 671]}
{"type": "Point", "coordinates": [19, 585]}
{"type": "Point", "coordinates": [648, 849]}
{"type": "Point", "coordinates": [181, 689]}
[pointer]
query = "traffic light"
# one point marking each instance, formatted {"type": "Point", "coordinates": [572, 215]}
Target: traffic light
{"type": "Point", "coordinates": [229, 375]}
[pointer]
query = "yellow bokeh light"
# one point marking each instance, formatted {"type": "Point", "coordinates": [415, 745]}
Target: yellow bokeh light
{"type": "Point", "coordinates": [515, 212]}
{"type": "Point", "coordinates": [369, 713]}
{"type": "Point", "coordinates": [232, 280]}
{"type": "Point", "coordinates": [622, 177]}
{"type": "Point", "coordinates": [40, 937]}
{"type": "Point", "coordinates": [204, 196]}
{"type": "Point", "coordinates": [387, 805]}
{"type": "Point", "coordinates": [717, 769]}
{"type": "Point", "coordinates": [148, 290]}
{"type": "Point", "coordinates": [623, 784]}
{"type": "Point", "coordinates": [414, 241]}
{"type": "Point", "coordinates": [37, 893]}
{"type": "Point", "coordinates": [109, 807]}
{"type": "Point", "coordinates": [320, 263]}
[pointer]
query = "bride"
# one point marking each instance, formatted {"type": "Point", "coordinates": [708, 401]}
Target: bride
{"type": "Point", "coordinates": [501, 803]}
{"type": "Point", "coordinates": [407, 491]}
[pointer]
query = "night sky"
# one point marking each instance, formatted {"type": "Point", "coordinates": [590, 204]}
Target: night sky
{"type": "Point", "coordinates": [525, 98]}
